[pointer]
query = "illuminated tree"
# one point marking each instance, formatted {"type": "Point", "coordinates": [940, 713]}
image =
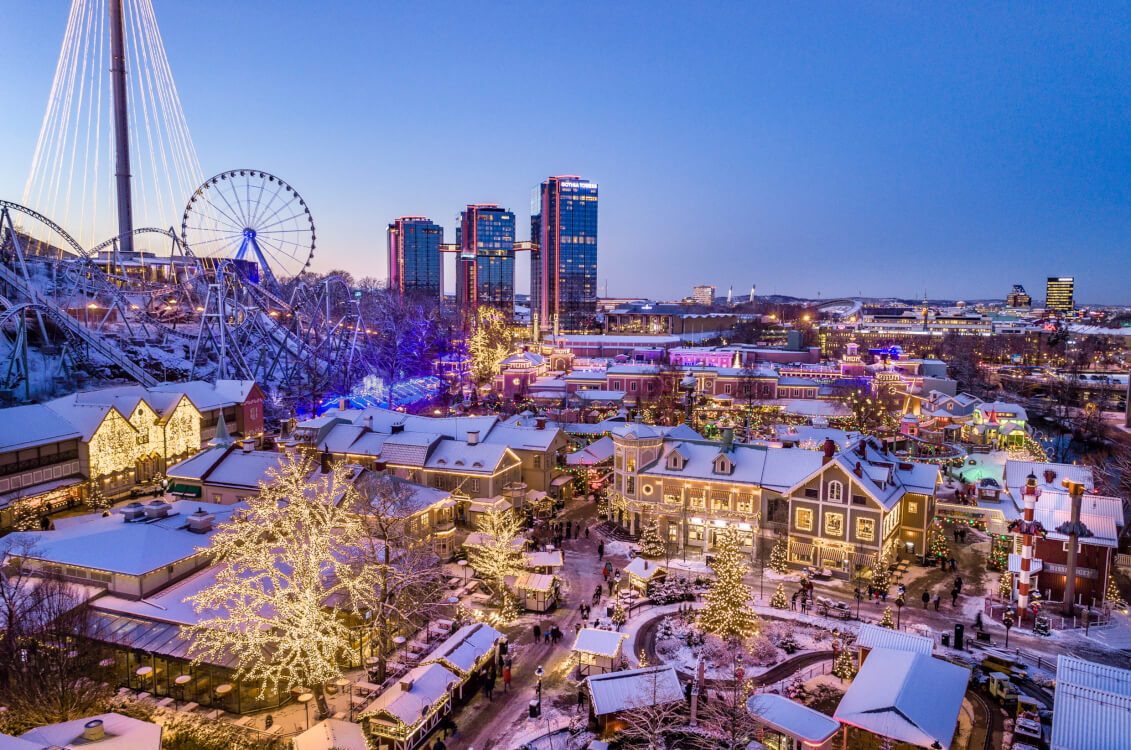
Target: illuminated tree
{"type": "Point", "coordinates": [509, 611]}
{"type": "Point", "coordinates": [779, 559]}
{"type": "Point", "coordinates": [844, 666]}
{"type": "Point", "coordinates": [95, 497]}
{"type": "Point", "coordinates": [779, 599]}
{"type": "Point", "coordinates": [287, 591]}
{"type": "Point", "coordinates": [497, 556]}
{"type": "Point", "coordinates": [727, 611]}
{"type": "Point", "coordinates": [938, 545]}
{"type": "Point", "coordinates": [26, 516]}
{"type": "Point", "coordinates": [409, 336]}
{"type": "Point", "coordinates": [881, 575]}
{"type": "Point", "coordinates": [1113, 594]}
{"type": "Point", "coordinates": [651, 543]}
{"type": "Point", "coordinates": [1005, 586]}
{"type": "Point", "coordinates": [619, 616]}
{"type": "Point", "coordinates": [888, 620]}
{"type": "Point", "coordinates": [490, 343]}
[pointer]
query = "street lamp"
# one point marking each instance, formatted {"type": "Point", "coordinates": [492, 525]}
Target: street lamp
{"type": "Point", "coordinates": [539, 672]}
{"type": "Point", "coordinates": [859, 596]}
{"type": "Point", "coordinates": [899, 602]}
{"type": "Point", "coordinates": [1007, 621]}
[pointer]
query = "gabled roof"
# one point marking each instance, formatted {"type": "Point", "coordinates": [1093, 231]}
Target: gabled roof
{"type": "Point", "coordinates": [883, 477]}
{"type": "Point", "coordinates": [597, 452]}
{"type": "Point", "coordinates": [331, 734]}
{"type": "Point", "coordinates": [599, 642]}
{"type": "Point", "coordinates": [430, 684]}
{"type": "Point", "coordinates": [873, 636]}
{"type": "Point", "coordinates": [122, 733]}
{"type": "Point", "coordinates": [906, 696]}
{"type": "Point", "coordinates": [810, 726]}
{"type": "Point", "coordinates": [642, 568]}
{"type": "Point", "coordinates": [1091, 706]}
{"type": "Point", "coordinates": [29, 426]}
{"type": "Point", "coordinates": [634, 688]}
{"type": "Point", "coordinates": [457, 456]}
{"type": "Point", "coordinates": [462, 651]}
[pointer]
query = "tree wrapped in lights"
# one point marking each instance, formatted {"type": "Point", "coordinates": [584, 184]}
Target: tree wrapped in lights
{"type": "Point", "coordinates": [509, 611]}
{"type": "Point", "coordinates": [619, 616]}
{"type": "Point", "coordinates": [26, 516]}
{"type": "Point", "coordinates": [286, 592]}
{"type": "Point", "coordinates": [844, 666]}
{"type": "Point", "coordinates": [779, 559]}
{"type": "Point", "coordinates": [95, 498]}
{"type": "Point", "coordinates": [887, 620]}
{"type": "Point", "coordinates": [497, 556]}
{"type": "Point", "coordinates": [881, 573]}
{"type": "Point", "coordinates": [490, 343]}
{"type": "Point", "coordinates": [938, 546]}
{"type": "Point", "coordinates": [727, 611]}
{"type": "Point", "coordinates": [1112, 594]}
{"type": "Point", "coordinates": [651, 543]}
{"type": "Point", "coordinates": [1005, 586]}
{"type": "Point", "coordinates": [779, 599]}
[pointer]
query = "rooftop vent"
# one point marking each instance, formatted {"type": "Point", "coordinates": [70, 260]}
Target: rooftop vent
{"type": "Point", "coordinates": [93, 731]}
{"type": "Point", "coordinates": [247, 445]}
{"type": "Point", "coordinates": [200, 521]}
{"type": "Point", "coordinates": [406, 684]}
{"type": "Point", "coordinates": [133, 512]}
{"type": "Point", "coordinates": [157, 509]}
{"type": "Point", "coordinates": [473, 437]}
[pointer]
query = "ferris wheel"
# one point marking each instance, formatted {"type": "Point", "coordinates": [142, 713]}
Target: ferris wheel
{"type": "Point", "coordinates": [252, 216]}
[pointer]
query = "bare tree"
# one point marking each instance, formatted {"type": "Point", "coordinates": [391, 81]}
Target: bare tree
{"type": "Point", "coordinates": [408, 333]}
{"type": "Point", "coordinates": [653, 716]}
{"type": "Point", "coordinates": [409, 586]}
{"type": "Point", "coordinates": [723, 722]}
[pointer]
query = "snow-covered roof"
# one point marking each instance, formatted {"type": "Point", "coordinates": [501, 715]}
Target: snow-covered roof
{"type": "Point", "coordinates": [1103, 528]}
{"type": "Point", "coordinates": [523, 438]}
{"type": "Point", "coordinates": [228, 466]}
{"type": "Point", "coordinates": [680, 432]}
{"type": "Point", "coordinates": [122, 733]}
{"type": "Point", "coordinates": [1016, 473]}
{"type": "Point", "coordinates": [207, 396]}
{"type": "Point", "coordinates": [544, 559]}
{"type": "Point", "coordinates": [8, 742]}
{"type": "Point", "coordinates": [169, 605]}
{"type": "Point", "coordinates": [108, 543]}
{"type": "Point", "coordinates": [873, 636]}
{"type": "Point", "coordinates": [599, 642]}
{"type": "Point", "coordinates": [997, 410]}
{"type": "Point", "coordinates": [331, 734]}
{"type": "Point", "coordinates": [430, 683]}
{"type": "Point", "coordinates": [634, 688]}
{"type": "Point", "coordinates": [478, 537]}
{"type": "Point", "coordinates": [906, 696]}
{"type": "Point", "coordinates": [29, 426]}
{"type": "Point", "coordinates": [462, 651]}
{"type": "Point", "coordinates": [636, 431]}
{"type": "Point", "coordinates": [598, 394]}
{"type": "Point", "coordinates": [535, 582]}
{"type": "Point", "coordinates": [597, 452]}
{"type": "Point", "coordinates": [1091, 706]}
{"type": "Point", "coordinates": [791, 718]}
{"type": "Point", "coordinates": [883, 477]}
{"type": "Point", "coordinates": [455, 455]}
{"type": "Point", "coordinates": [642, 568]}
{"type": "Point", "coordinates": [806, 434]}
{"type": "Point", "coordinates": [776, 468]}
{"type": "Point", "coordinates": [383, 420]}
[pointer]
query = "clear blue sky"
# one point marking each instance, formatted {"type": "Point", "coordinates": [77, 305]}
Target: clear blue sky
{"type": "Point", "coordinates": [880, 148]}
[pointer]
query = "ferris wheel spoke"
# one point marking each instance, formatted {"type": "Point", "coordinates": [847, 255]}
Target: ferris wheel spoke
{"type": "Point", "coordinates": [235, 211]}
{"type": "Point", "coordinates": [215, 209]}
{"type": "Point", "coordinates": [280, 221]}
{"type": "Point", "coordinates": [284, 206]}
{"type": "Point", "coordinates": [259, 202]}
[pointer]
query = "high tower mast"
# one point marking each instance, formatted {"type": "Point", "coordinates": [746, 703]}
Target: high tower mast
{"type": "Point", "coordinates": [121, 127]}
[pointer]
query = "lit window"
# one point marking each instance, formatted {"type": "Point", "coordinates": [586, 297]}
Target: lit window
{"type": "Point", "coordinates": [835, 492]}
{"type": "Point", "coordinates": [834, 524]}
{"type": "Point", "coordinates": [866, 529]}
{"type": "Point", "coordinates": [912, 506]}
{"type": "Point", "coordinates": [803, 519]}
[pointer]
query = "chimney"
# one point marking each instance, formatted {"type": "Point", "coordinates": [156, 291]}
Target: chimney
{"type": "Point", "coordinates": [369, 422]}
{"type": "Point", "coordinates": [157, 509]}
{"type": "Point", "coordinates": [133, 512]}
{"type": "Point", "coordinates": [858, 471]}
{"type": "Point", "coordinates": [378, 466]}
{"type": "Point", "coordinates": [473, 437]}
{"type": "Point", "coordinates": [93, 731]}
{"type": "Point", "coordinates": [728, 439]}
{"type": "Point", "coordinates": [829, 449]}
{"type": "Point", "coordinates": [645, 565]}
{"type": "Point", "coordinates": [343, 403]}
{"type": "Point", "coordinates": [1050, 475]}
{"type": "Point", "coordinates": [540, 423]}
{"type": "Point", "coordinates": [247, 445]}
{"type": "Point", "coordinates": [406, 685]}
{"type": "Point", "coordinates": [324, 462]}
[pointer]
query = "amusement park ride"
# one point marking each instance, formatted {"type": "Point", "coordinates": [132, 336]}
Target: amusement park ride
{"type": "Point", "coordinates": [222, 297]}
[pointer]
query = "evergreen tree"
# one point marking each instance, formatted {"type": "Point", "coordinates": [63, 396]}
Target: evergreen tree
{"type": "Point", "coordinates": [727, 611]}
{"type": "Point", "coordinates": [509, 611]}
{"type": "Point", "coordinates": [651, 543]}
{"type": "Point", "coordinates": [26, 517]}
{"type": "Point", "coordinates": [1112, 595]}
{"type": "Point", "coordinates": [844, 666]}
{"type": "Point", "coordinates": [881, 576]}
{"type": "Point", "coordinates": [779, 600]}
{"type": "Point", "coordinates": [887, 621]}
{"type": "Point", "coordinates": [779, 560]}
{"type": "Point", "coordinates": [619, 616]}
{"type": "Point", "coordinates": [938, 546]}
{"type": "Point", "coordinates": [95, 498]}
{"type": "Point", "coordinates": [1005, 586]}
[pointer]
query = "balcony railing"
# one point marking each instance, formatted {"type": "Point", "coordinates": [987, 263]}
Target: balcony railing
{"type": "Point", "coordinates": [37, 463]}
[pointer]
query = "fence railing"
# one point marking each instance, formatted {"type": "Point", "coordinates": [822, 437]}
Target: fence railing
{"type": "Point", "coordinates": [820, 668]}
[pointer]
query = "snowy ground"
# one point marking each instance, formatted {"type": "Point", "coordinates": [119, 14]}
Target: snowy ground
{"type": "Point", "coordinates": [681, 644]}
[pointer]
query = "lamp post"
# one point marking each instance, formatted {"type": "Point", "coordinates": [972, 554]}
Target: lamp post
{"type": "Point", "coordinates": [899, 602]}
{"type": "Point", "coordinates": [1007, 621]}
{"type": "Point", "coordinates": [539, 672]}
{"type": "Point", "coordinates": [859, 596]}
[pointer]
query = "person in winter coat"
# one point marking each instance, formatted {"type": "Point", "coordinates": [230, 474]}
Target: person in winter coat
{"type": "Point", "coordinates": [506, 677]}
{"type": "Point", "coordinates": [537, 633]}
{"type": "Point", "coordinates": [601, 551]}
{"type": "Point", "coordinates": [926, 599]}
{"type": "Point", "coordinates": [936, 601]}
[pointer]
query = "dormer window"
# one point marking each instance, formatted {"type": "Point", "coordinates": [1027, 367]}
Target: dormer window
{"type": "Point", "coordinates": [834, 492]}
{"type": "Point", "coordinates": [723, 465]}
{"type": "Point", "coordinates": [675, 462]}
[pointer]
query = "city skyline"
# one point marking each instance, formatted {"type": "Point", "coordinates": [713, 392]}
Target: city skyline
{"type": "Point", "coordinates": [781, 153]}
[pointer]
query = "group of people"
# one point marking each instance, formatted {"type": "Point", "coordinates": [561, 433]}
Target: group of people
{"type": "Point", "coordinates": [550, 634]}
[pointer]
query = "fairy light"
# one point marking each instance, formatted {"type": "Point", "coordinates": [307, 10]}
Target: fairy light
{"type": "Point", "coordinates": [727, 612]}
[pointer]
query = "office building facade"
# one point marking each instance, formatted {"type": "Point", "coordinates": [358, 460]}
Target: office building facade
{"type": "Point", "coordinates": [1060, 294]}
{"type": "Point", "coordinates": [1018, 297]}
{"type": "Point", "coordinates": [414, 257]}
{"type": "Point", "coordinates": [566, 222]}
{"type": "Point", "coordinates": [485, 267]}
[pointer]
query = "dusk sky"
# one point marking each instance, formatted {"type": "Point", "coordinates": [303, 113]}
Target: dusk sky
{"type": "Point", "coordinates": [876, 148]}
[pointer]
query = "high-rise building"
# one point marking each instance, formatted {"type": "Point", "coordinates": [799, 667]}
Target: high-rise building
{"type": "Point", "coordinates": [485, 268]}
{"type": "Point", "coordinates": [414, 256]}
{"type": "Point", "coordinates": [1060, 294]}
{"type": "Point", "coordinates": [1018, 298]}
{"type": "Point", "coordinates": [703, 294]}
{"type": "Point", "coordinates": [566, 221]}
{"type": "Point", "coordinates": [535, 261]}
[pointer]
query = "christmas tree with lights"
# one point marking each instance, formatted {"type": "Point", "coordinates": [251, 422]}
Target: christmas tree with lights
{"type": "Point", "coordinates": [1112, 595]}
{"type": "Point", "coordinates": [881, 575]}
{"type": "Point", "coordinates": [619, 616]}
{"type": "Point", "coordinates": [938, 546]}
{"type": "Point", "coordinates": [844, 666]}
{"type": "Point", "coordinates": [888, 620]}
{"type": "Point", "coordinates": [779, 562]}
{"type": "Point", "coordinates": [1005, 586]}
{"type": "Point", "coordinates": [727, 611]}
{"type": "Point", "coordinates": [651, 543]}
{"type": "Point", "coordinates": [779, 600]}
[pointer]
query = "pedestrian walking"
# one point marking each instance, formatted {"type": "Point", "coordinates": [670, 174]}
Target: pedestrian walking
{"type": "Point", "coordinates": [586, 532]}
{"type": "Point", "coordinates": [605, 573]}
{"type": "Point", "coordinates": [884, 595]}
{"type": "Point", "coordinates": [537, 633]}
{"type": "Point", "coordinates": [936, 600]}
{"type": "Point", "coordinates": [489, 686]}
{"type": "Point", "coordinates": [601, 551]}
{"type": "Point", "coordinates": [546, 637]}
{"type": "Point", "coordinates": [581, 610]}
{"type": "Point", "coordinates": [793, 603]}
{"type": "Point", "coordinates": [954, 597]}
{"type": "Point", "coordinates": [958, 583]}
{"type": "Point", "coordinates": [953, 564]}
{"type": "Point", "coordinates": [610, 588]}
{"type": "Point", "coordinates": [506, 677]}
{"type": "Point", "coordinates": [871, 592]}
{"type": "Point", "coordinates": [580, 697]}
{"type": "Point", "coordinates": [926, 599]}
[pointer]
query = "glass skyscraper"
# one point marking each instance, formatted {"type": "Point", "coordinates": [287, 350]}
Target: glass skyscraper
{"type": "Point", "coordinates": [566, 222]}
{"type": "Point", "coordinates": [414, 257]}
{"type": "Point", "coordinates": [1060, 294]}
{"type": "Point", "coordinates": [485, 268]}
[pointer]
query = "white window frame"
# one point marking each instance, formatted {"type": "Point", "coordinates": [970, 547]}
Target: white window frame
{"type": "Point", "coordinates": [838, 495]}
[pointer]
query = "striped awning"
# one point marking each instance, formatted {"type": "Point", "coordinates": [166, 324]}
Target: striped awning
{"type": "Point", "coordinates": [800, 549]}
